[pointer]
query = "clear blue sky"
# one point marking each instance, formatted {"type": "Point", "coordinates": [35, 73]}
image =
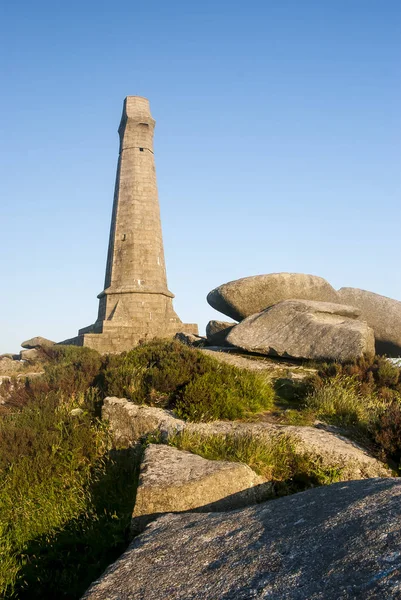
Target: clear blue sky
{"type": "Point", "coordinates": [277, 146]}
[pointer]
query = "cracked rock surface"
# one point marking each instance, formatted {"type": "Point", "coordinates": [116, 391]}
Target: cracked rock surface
{"type": "Point", "coordinates": [306, 329]}
{"type": "Point", "coordinates": [172, 480]}
{"type": "Point", "coordinates": [337, 542]}
{"type": "Point", "coordinates": [129, 422]}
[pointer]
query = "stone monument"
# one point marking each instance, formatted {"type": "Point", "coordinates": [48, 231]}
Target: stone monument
{"type": "Point", "coordinates": [136, 303]}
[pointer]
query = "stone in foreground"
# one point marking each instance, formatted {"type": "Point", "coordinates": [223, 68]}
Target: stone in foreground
{"type": "Point", "coordinates": [171, 480]}
{"type": "Point", "coordinates": [129, 423]}
{"type": "Point", "coordinates": [306, 329]}
{"type": "Point", "coordinates": [244, 297]}
{"type": "Point", "coordinates": [381, 313]}
{"type": "Point", "coordinates": [217, 332]}
{"type": "Point", "coordinates": [37, 342]}
{"type": "Point", "coordinates": [335, 542]}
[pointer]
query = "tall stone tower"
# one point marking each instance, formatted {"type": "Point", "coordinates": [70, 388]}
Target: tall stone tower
{"type": "Point", "coordinates": [135, 303]}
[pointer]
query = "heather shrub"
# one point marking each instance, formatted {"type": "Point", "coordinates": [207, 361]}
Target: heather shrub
{"type": "Point", "coordinates": [386, 373]}
{"type": "Point", "coordinates": [65, 502]}
{"type": "Point", "coordinates": [72, 369]}
{"type": "Point", "coordinates": [173, 375]}
{"type": "Point", "coordinates": [373, 374]}
{"type": "Point", "coordinates": [338, 400]}
{"type": "Point", "coordinates": [387, 431]}
{"type": "Point", "coordinates": [277, 458]}
{"type": "Point", "coordinates": [153, 372]}
{"type": "Point", "coordinates": [224, 393]}
{"type": "Point", "coordinates": [46, 459]}
{"type": "Point", "coordinates": [370, 417]}
{"type": "Point", "coordinates": [67, 369]}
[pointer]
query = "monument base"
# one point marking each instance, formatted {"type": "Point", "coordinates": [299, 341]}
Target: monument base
{"type": "Point", "coordinates": [117, 339]}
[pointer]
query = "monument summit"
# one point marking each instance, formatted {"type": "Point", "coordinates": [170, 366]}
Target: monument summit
{"type": "Point", "coordinates": [136, 303]}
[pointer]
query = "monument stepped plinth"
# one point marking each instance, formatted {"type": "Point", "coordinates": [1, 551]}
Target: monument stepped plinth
{"type": "Point", "coordinates": [136, 303]}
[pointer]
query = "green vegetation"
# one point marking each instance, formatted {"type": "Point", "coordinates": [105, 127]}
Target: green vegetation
{"type": "Point", "coordinates": [172, 375]}
{"type": "Point", "coordinates": [65, 501]}
{"type": "Point", "coordinates": [277, 458]}
{"type": "Point", "coordinates": [69, 370]}
{"type": "Point", "coordinates": [340, 401]}
{"type": "Point", "coordinates": [166, 374]}
{"type": "Point", "coordinates": [363, 397]}
{"type": "Point", "coordinates": [373, 375]}
{"type": "Point", "coordinates": [371, 417]}
{"type": "Point", "coordinates": [387, 432]}
{"type": "Point", "coordinates": [66, 498]}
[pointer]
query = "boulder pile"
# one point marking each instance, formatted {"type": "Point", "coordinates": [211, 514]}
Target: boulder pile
{"type": "Point", "coordinates": [33, 346]}
{"type": "Point", "coordinates": [302, 316]}
{"type": "Point", "coordinates": [30, 353]}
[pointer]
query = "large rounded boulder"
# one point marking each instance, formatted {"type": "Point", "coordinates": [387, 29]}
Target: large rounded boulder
{"type": "Point", "coordinates": [244, 297]}
{"type": "Point", "coordinates": [381, 313]}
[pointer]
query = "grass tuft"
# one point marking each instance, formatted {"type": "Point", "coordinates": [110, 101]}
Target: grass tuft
{"type": "Point", "coordinates": [277, 458]}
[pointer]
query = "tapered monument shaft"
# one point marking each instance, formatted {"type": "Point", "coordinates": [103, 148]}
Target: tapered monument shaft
{"type": "Point", "coordinates": [135, 303]}
{"type": "Point", "coordinates": [135, 262]}
{"type": "Point", "coordinates": [136, 257]}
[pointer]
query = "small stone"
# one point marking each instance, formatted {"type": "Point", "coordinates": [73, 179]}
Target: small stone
{"type": "Point", "coordinates": [217, 332]}
{"type": "Point", "coordinates": [76, 412]}
{"type": "Point", "coordinates": [190, 339]}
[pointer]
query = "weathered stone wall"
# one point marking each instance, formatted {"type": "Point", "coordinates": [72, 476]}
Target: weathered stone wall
{"type": "Point", "coordinates": [119, 339]}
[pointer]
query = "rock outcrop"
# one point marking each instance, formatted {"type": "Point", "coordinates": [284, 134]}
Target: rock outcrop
{"type": "Point", "coordinates": [217, 332]}
{"type": "Point", "coordinates": [171, 480]}
{"type": "Point", "coordinates": [305, 329]}
{"type": "Point", "coordinates": [129, 422]}
{"type": "Point", "coordinates": [37, 342]}
{"type": "Point", "coordinates": [244, 297]}
{"type": "Point", "coordinates": [338, 541]}
{"type": "Point", "coordinates": [381, 313]}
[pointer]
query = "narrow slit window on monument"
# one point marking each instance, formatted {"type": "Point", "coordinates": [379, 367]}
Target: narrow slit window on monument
{"type": "Point", "coordinates": [140, 149]}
